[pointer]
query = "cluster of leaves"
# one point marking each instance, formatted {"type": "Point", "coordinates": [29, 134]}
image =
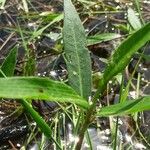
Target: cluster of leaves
{"type": "Point", "coordinates": [78, 64]}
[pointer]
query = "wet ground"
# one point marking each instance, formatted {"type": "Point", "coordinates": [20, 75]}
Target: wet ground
{"type": "Point", "coordinates": [16, 127]}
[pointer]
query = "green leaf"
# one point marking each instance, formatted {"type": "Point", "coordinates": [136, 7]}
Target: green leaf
{"type": "Point", "coordinates": [127, 107]}
{"type": "Point", "coordinates": [121, 57]}
{"type": "Point", "coordinates": [8, 65]}
{"type": "Point", "coordinates": [39, 89]}
{"type": "Point", "coordinates": [91, 40]}
{"type": "Point", "coordinates": [2, 4]}
{"type": "Point", "coordinates": [133, 19]}
{"type": "Point", "coordinates": [76, 54]}
{"type": "Point", "coordinates": [138, 8]}
{"type": "Point", "coordinates": [40, 31]}
{"type": "Point", "coordinates": [39, 120]}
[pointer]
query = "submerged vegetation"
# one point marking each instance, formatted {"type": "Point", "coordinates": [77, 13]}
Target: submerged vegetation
{"type": "Point", "coordinates": [96, 63]}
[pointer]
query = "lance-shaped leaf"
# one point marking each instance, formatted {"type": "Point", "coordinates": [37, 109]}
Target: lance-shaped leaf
{"type": "Point", "coordinates": [8, 65]}
{"type": "Point", "coordinates": [133, 19]}
{"type": "Point", "coordinates": [123, 54]}
{"type": "Point", "coordinates": [39, 89]}
{"type": "Point", "coordinates": [76, 54]}
{"type": "Point", "coordinates": [127, 107]}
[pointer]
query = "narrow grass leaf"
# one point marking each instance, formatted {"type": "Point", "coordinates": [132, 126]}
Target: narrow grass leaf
{"type": "Point", "coordinates": [91, 40]}
{"type": "Point", "coordinates": [133, 19]}
{"type": "Point", "coordinates": [8, 65]}
{"type": "Point", "coordinates": [76, 54]}
{"type": "Point", "coordinates": [138, 8]}
{"type": "Point", "coordinates": [123, 54]}
{"type": "Point", "coordinates": [39, 120]}
{"type": "Point", "coordinates": [39, 89]}
{"type": "Point", "coordinates": [127, 107]}
{"type": "Point", "coordinates": [38, 32]}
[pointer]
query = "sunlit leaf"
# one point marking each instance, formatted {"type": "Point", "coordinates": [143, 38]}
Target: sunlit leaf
{"type": "Point", "coordinates": [2, 4]}
{"type": "Point", "coordinates": [127, 107]}
{"type": "Point", "coordinates": [39, 89]}
{"type": "Point", "coordinates": [133, 19]}
{"type": "Point", "coordinates": [25, 6]}
{"type": "Point", "coordinates": [121, 57]}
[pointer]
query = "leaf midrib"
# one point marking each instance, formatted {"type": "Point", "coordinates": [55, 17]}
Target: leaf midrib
{"type": "Point", "coordinates": [79, 69]}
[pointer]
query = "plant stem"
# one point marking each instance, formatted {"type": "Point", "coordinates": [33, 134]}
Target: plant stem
{"type": "Point", "coordinates": [90, 115]}
{"type": "Point", "coordinates": [83, 129]}
{"type": "Point", "coordinates": [116, 135]}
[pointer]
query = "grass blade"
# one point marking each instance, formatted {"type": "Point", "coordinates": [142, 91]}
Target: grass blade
{"type": "Point", "coordinates": [76, 54]}
{"type": "Point", "coordinates": [8, 65]}
{"type": "Point", "coordinates": [123, 54]}
{"type": "Point", "coordinates": [40, 89]}
{"type": "Point", "coordinates": [91, 40]}
{"type": "Point", "coordinates": [38, 119]}
{"type": "Point", "coordinates": [127, 107]}
{"type": "Point", "coordinates": [40, 31]}
{"type": "Point", "coordinates": [138, 8]}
